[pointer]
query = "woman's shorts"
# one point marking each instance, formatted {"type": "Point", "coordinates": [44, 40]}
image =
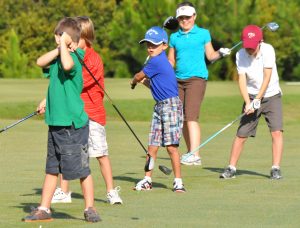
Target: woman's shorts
{"type": "Point", "coordinates": [191, 93]}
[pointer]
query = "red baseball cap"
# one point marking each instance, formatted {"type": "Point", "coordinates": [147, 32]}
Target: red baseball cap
{"type": "Point", "coordinates": [251, 36]}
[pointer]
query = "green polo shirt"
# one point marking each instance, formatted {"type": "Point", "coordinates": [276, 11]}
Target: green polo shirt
{"type": "Point", "coordinates": [64, 104]}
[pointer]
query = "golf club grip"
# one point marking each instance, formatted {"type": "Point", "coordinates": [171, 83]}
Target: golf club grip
{"type": "Point", "coordinates": [133, 86]}
{"type": "Point", "coordinates": [85, 66]}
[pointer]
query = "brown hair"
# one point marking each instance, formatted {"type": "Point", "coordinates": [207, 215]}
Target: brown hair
{"type": "Point", "coordinates": [70, 26]}
{"type": "Point", "coordinates": [87, 29]}
{"type": "Point", "coordinates": [186, 3]}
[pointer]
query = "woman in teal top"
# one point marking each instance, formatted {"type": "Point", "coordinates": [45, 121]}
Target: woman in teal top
{"type": "Point", "coordinates": [188, 48]}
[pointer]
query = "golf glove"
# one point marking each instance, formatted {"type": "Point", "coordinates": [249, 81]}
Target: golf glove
{"type": "Point", "coordinates": [224, 51]}
{"type": "Point", "coordinates": [255, 104]}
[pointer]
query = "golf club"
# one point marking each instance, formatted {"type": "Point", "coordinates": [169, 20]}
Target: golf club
{"type": "Point", "coordinates": [150, 161]}
{"type": "Point", "coordinates": [272, 26]}
{"type": "Point", "coordinates": [171, 23]}
{"type": "Point", "coordinates": [213, 136]}
{"type": "Point", "coordinates": [19, 121]}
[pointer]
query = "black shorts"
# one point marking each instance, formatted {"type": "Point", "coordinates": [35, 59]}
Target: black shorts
{"type": "Point", "coordinates": [68, 152]}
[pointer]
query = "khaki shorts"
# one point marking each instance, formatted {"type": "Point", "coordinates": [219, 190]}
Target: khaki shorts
{"type": "Point", "coordinates": [271, 108]}
{"type": "Point", "coordinates": [191, 94]}
{"type": "Point", "coordinates": [97, 140]}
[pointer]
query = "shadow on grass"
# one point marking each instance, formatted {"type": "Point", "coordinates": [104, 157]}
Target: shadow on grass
{"type": "Point", "coordinates": [239, 172]}
{"type": "Point", "coordinates": [135, 180]}
{"type": "Point", "coordinates": [38, 191]}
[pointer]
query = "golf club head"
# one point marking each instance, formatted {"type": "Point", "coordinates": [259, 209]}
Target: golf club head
{"type": "Point", "coordinates": [171, 23]}
{"type": "Point", "coordinates": [272, 26]}
{"type": "Point", "coordinates": [165, 169]}
{"type": "Point", "coordinates": [149, 164]}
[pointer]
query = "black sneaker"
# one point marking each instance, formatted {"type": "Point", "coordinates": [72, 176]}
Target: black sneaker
{"type": "Point", "coordinates": [38, 215]}
{"type": "Point", "coordinates": [275, 174]}
{"type": "Point", "coordinates": [91, 215]}
{"type": "Point", "coordinates": [228, 173]}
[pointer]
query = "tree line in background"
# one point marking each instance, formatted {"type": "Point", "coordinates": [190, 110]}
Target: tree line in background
{"type": "Point", "coordinates": [26, 31]}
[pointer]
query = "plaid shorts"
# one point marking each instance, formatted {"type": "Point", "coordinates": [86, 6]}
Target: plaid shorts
{"type": "Point", "coordinates": [167, 122]}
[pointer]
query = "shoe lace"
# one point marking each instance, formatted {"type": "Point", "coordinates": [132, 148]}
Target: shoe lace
{"type": "Point", "coordinates": [142, 182]}
{"type": "Point", "coordinates": [33, 210]}
{"type": "Point", "coordinates": [114, 192]}
{"type": "Point", "coordinates": [57, 192]}
{"type": "Point", "coordinates": [229, 171]}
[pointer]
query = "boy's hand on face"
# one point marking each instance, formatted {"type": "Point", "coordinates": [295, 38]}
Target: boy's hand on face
{"type": "Point", "coordinates": [72, 46]}
{"type": "Point", "coordinates": [66, 39]}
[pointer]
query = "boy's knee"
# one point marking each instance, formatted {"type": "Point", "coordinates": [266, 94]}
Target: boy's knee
{"type": "Point", "coordinates": [172, 149]}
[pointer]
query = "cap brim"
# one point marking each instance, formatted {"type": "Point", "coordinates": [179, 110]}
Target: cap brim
{"type": "Point", "coordinates": [150, 41]}
{"type": "Point", "coordinates": [250, 44]}
{"type": "Point", "coordinates": [184, 14]}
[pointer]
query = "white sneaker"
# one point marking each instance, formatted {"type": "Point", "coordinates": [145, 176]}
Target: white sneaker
{"type": "Point", "coordinates": [61, 197]}
{"type": "Point", "coordinates": [113, 196]}
{"type": "Point", "coordinates": [188, 159]}
{"type": "Point", "coordinates": [144, 185]}
{"type": "Point", "coordinates": [178, 186]}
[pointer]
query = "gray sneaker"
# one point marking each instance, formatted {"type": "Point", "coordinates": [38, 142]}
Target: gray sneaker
{"type": "Point", "coordinates": [91, 215]}
{"type": "Point", "coordinates": [275, 174]}
{"type": "Point", "coordinates": [228, 173]}
{"type": "Point", "coordinates": [38, 215]}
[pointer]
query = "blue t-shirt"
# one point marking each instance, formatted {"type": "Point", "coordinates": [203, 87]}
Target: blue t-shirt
{"type": "Point", "coordinates": [162, 77]}
{"type": "Point", "coordinates": [190, 52]}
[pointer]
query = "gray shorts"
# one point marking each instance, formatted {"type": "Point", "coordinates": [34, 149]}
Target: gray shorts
{"type": "Point", "coordinates": [68, 152]}
{"type": "Point", "coordinates": [271, 108]}
{"type": "Point", "coordinates": [97, 140]}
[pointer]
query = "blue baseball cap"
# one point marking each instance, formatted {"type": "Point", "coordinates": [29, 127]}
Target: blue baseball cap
{"type": "Point", "coordinates": [155, 35]}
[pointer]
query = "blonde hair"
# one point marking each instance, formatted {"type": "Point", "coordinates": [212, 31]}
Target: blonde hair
{"type": "Point", "coordinates": [87, 29]}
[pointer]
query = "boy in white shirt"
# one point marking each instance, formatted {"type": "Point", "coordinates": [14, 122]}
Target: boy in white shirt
{"type": "Point", "coordinates": [259, 87]}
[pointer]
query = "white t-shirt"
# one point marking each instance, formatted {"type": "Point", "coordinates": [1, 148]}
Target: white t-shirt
{"type": "Point", "coordinates": [253, 67]}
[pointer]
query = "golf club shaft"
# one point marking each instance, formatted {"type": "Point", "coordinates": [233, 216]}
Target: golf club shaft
{"type": "Point", "coordinates": [115, 107]}
{"type": "Point", "coordinates": [215, 134]}
{"type": "Point", "coordinates": [19, 121]}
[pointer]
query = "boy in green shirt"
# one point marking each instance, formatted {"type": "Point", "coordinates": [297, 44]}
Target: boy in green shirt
{"type": "Point", "coordinates": [67, 120]}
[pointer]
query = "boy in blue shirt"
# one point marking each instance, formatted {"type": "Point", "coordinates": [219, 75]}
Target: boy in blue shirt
{"type": "Point", "coordinates": [167, 118]}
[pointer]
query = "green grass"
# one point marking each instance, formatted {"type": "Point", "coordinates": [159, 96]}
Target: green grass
{"type": "Point", "coordinates": [250, 200]}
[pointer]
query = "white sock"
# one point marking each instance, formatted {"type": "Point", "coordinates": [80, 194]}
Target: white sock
{"type": "Point", "coordinates": [44, 209]}
{"type": "Point", "coordinates": [232, 167]}
{"type": "Point", "coordinates": [178, 181]}
{"type": "Point", "coordinates": [275, 167]}
{"type": "Point", "coordinates": [148, 178]}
